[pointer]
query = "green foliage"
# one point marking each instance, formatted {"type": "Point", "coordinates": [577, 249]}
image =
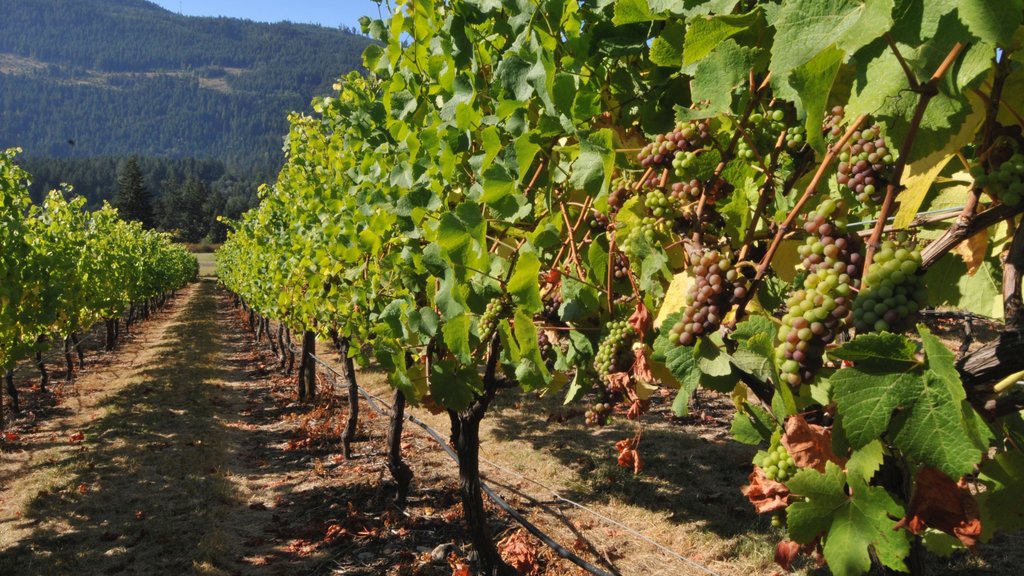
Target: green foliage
{"type": "Point", "coordinates": [65, 269]}
{"type": "Point", "coordinates": [483, 180]}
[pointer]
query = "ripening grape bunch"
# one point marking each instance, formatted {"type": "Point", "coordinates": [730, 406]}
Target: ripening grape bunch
{"type": "Point", "coordinates": [620, 265]}
{"type": "Point", "coordinates": [547, 349]}
{"type": "Point", "coordinates": [599, 222]}
{"type": "Point", "coordinates": [865, 163]}
{"type": "Point", "coordinates": [686, 191]}
{"type": "Point", "coordinates": [489, 319]}
{"type": "Point", "coordinates": [597, 414]}
{"type": "Point", "coordinates": [685, 137]}
{"type": "Point", "coordinates": [718, 285]}
{"type": "Point", "coordinates": [777, 463]}
{"type": "Point", "coordinates": [1005, 182]}
{"type": "Point", "coordinates": [618, 197]}
{"type": "Point", "coordinates": [832, 125]}
{"type": "Point", "coordinates": [552, 305]}
{"type": "Point", "coordinates": [615, 353]}
{"type": "Point", "coordinates": [818, 311]}
{"type": "Point", "coordinates": [893, 291]}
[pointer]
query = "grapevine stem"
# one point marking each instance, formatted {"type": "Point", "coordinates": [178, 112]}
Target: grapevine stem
{"type": "Point", "coordinates": [927, 92]}
{"type": "Point", "coordinates": [572, 240]}
{"type": "Point", "coordinates": [1013, 270]}
{"type": "Point", "coordinates": [762, 268]}
{"type": "Point", "coordinates": [647, 174]}
{"type": "Point", "coordinates": [611, 272]}
{"type": "Point", "coordinates": [767, 191]}
{"type": "Point", "coordinates": [911, 77]}
{"type": "Point", "coordinates": [572, 230]}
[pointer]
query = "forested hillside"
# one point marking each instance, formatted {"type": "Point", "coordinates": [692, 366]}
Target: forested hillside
{"type": "Point", "coordinates": [114, 77]}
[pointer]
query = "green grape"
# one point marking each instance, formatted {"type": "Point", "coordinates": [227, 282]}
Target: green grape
{"type": "Point", "coordinates": [492, 314]}
{"type": "Point", "coordinates": [893, 292]}
{"type": "Point", "coordinates": [614, 353]}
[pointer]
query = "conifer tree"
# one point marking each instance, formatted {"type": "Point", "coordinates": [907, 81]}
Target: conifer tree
{"type": "Point", "coordinates": [132, 200]}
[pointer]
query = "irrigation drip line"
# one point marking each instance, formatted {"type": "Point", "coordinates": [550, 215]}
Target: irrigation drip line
{"type": "Point", "coordinates": [382, 407]}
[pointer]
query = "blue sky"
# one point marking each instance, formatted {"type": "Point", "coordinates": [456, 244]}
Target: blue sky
{"type": "Point", "coordinates": [330, 13]}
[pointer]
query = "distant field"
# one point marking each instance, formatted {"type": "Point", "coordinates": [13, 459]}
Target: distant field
{"type": "Point", "coordinates": [207, 264]}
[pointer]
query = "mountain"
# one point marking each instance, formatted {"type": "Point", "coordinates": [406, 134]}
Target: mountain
{"type": "Point", "coordinates": [87, 78]}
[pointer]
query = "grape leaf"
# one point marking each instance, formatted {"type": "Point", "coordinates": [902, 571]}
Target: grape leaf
{"type": "Point", "coordinates": [922, 406]}
{"type": "Point", "coordinates": [993, 22]}
{"type": "Point", "coordinates": [667, 48]}
{"type": "Point", "coordinates": [752, 425]}
{"type": "Point", "coordinates": [812, 82]}
{"type": "Point", "coordinates": [726, 69]}
{"type": "Point", "coordinates": [682, 362]}
{"type": "Point", "coordinates": [524, 286]}
{"type": "Point", "coordinates": [804, 28]}
{"type": "Point", "coordinates": [1002, 509]}
{"type": "Point", "coordinates": [855, 523]}
{"type": "Point", "coordinates": [703, 35]}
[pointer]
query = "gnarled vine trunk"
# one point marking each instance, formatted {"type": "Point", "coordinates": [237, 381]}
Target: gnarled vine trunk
{"type": "Point", "coordinates": [69, 361]}
{"type": "Point", "coordinates": [307, 367]}
{"type": "Point", "coordinates": [467, 447]}
{"type": "Point", "coordinates": [78, 350]}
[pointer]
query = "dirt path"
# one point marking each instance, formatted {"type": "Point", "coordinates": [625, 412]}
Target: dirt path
{"type": "Point", "coordinates": [143, 474]}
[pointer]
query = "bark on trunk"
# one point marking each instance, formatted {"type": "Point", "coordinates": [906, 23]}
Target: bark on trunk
{"type": "Point", "coordinates": [111, 334]}
{"type": "Point", "coordinates": [259, 328]}
{"type": "Point", "coordinates": [282, 355]}
{"type": "Point", "coordinates": [353, 398]}
{"type": "Point", "coordinates": [270, 337]}
{"type": "Point", "coordinates": [400, 471]}
{"type": "Point", "coordinates": [78, 350]}
{"type": "Point", "coordinates": [69, 360]}
{"type": "Point", "coordinates": [307, 367]}
{"type": "Point", "coordinates": [12, 392]}
{"type": "Point", "coordinates": [44, 376]}
{"type": "Point", "coordinates": [291, 353]}
{"type": "Point", "coordinates": [467, 447]}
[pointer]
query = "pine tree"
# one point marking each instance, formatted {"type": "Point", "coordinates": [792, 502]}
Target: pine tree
{"type": "Point", "coordinates": [132, 200]}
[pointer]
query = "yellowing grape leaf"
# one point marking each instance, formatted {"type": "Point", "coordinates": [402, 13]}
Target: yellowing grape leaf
{"type": "Point", "coordinates": [973, 251]}
{"type": "Point", "coordinates": [675, 296]}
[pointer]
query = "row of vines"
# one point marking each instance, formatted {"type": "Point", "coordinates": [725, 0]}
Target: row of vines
{"type": "Point", "coordinates": [64, 269]}
{"type": "Point", "coordinates": [603, 198]}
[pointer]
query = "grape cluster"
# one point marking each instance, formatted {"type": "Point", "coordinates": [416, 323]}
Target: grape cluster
{"type": "Point", "coordinates": [717, 287]}
{"type": "Point", "coordinates": [744, 151]}
{"type": "Point", "coordinates": [598, 222]}
{"type": "Point", "coordinates": [620, 265]}
{"type": "Point", "coordinates": [864, 163]}
{"type": "Point", "coordinates": [597, 414]}
{"type": "Point", "coordinates": [893, 292]}
{"type": "Point", "coordinates": [547, 349]}
{"type": "Point", "coordinates": [552, 304]}
{"type": "Point", "coordinates": [489, 319]}
{"type": "Point", "coordinates": [646, 228]}
{"type": "Point", "coordinates": [796, 138]}
{"type": "Point", "coordinates": [659, 204]}
{"type": "Point", "coordinates": [686, 191]}
{"type": "Point", "coordinates": [817, 311]}
{"type": "Point", "coordinates": [615, 353]}
{"type": "Point", "coordinates": [773, 121]}
{"type": "Point", "coordinates": [686, 137]}
{"type": "Point", "coordinates": [618, 197]}
{"type": "Point", "coordinates": [1006, 182]}
{"type": "Point", "coordinates": [832, 125]}
{"type": "Point", "coordinates": [777, 463]}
